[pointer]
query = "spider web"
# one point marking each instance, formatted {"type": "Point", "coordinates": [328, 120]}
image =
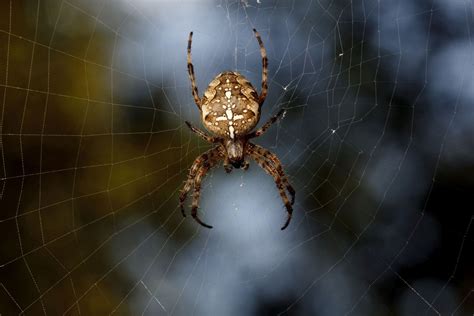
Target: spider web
{"type": "Point", "coordinates": [377, 141]}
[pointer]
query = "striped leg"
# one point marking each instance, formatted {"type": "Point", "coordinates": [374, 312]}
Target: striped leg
{"type": "Point", "coordinates": [197, 100]}
{"type": "Point", "coordinates": [206, 158]}
{"type": "Point", "coordinates": [279, 183]}
{"type": "Point", "coordinates": [201, 134]}
{"type": "Point", "coordinates": [263, 52]}
{"type": "Point", "coordinates": [197, 193]}
{"type": "Point", "coordinates": [227, 165]}
{"type": "Point", "coordinates": [266, 126]}
{"type": "Point", "coordinates": [258, 150]}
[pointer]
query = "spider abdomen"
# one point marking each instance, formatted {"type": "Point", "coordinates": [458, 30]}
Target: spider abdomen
{"type": "Point", "coordinates": [230, 105]}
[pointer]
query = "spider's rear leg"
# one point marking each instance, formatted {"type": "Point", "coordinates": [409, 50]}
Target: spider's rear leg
{"type": "Point", "coordinates": [263, 52]}
{"type": "Point", "coordinates": [192, 77]}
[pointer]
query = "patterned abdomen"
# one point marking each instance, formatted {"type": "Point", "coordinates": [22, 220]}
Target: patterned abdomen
{"type": "Point", "coordinates": [230, 106]}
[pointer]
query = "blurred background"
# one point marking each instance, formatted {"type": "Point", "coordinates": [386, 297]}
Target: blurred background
{"type": "Point", "coordinates": [378, 141]}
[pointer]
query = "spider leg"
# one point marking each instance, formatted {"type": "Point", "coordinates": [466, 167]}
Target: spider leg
{"type": "Point", "coordinates": [197, 100]}
{"type": "Point", "coordinates": [266, 126]}
{"type": "Point", "coordinates": [277, 165]}
{"type": "Point", "coordinates": [227, 165]}
{"type": "Point", "coordinates": [279, 183]}
{"type": "Point", "coordinates": [211, 154]}
{"type": "Point", "coordinates": [197, 164]}
{"type": "Point", "coordinates": [197, 193]}
{"type": "Point", "coordinates": [201, 134]}
{"type": "Point", "coordinates": [263, 52]}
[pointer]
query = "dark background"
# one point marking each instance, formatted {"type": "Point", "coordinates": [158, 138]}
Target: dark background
{"type": "Point", "coordinates": [377, 140]}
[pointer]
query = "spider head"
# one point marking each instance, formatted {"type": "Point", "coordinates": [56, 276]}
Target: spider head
{"type": "Point", "coordinates": [235, 152]}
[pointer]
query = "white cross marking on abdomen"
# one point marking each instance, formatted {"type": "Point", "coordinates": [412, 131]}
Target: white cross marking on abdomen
{"type": "Point", "coordinates": [229, 114]}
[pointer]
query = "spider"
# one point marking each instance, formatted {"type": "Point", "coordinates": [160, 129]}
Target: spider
{"type": "Point", "coordinates": [230, 109]}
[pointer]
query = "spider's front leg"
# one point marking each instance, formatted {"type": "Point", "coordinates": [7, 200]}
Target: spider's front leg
{"type": "Point", "coordinates": [227, 165]}
{"type": "Point", "coordinates": [273, 159]}
{"type": "Point", "coordinates": [197, 171]}
{"type": "Point", "coordinates": [196, 166]}
{"type": "Point", "coordinates": [265, 165]}
{"type": "Point", "coordinates": [197, 193]}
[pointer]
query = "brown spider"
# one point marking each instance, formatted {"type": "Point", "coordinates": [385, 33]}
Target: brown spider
{"type": "Point", "coordinates": [230, 108]}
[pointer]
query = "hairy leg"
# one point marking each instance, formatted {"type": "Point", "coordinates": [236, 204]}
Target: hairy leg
{"type": "Point", "coordinates": [265, 165]}
{"type": "Point", "coordinates": [263, 52]}
{"type": "Point", "coordinates": [209, 156]}
{"type": "Point", "coordinates": [197, 100]}
{"type": "Point", "coordinates": [266, 126]}
{"type": "Point", "coordinates": [268, 155]}
{"type": "Point", "coordinates": [227, 165]}
{"type": "Point", "coordinates": [197, 193]}
{"type": "Point", "coordinates": [201, 134]}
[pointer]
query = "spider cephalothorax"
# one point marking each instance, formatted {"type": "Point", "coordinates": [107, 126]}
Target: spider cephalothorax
{"type": "Point", "coordinates": [230, 109]}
